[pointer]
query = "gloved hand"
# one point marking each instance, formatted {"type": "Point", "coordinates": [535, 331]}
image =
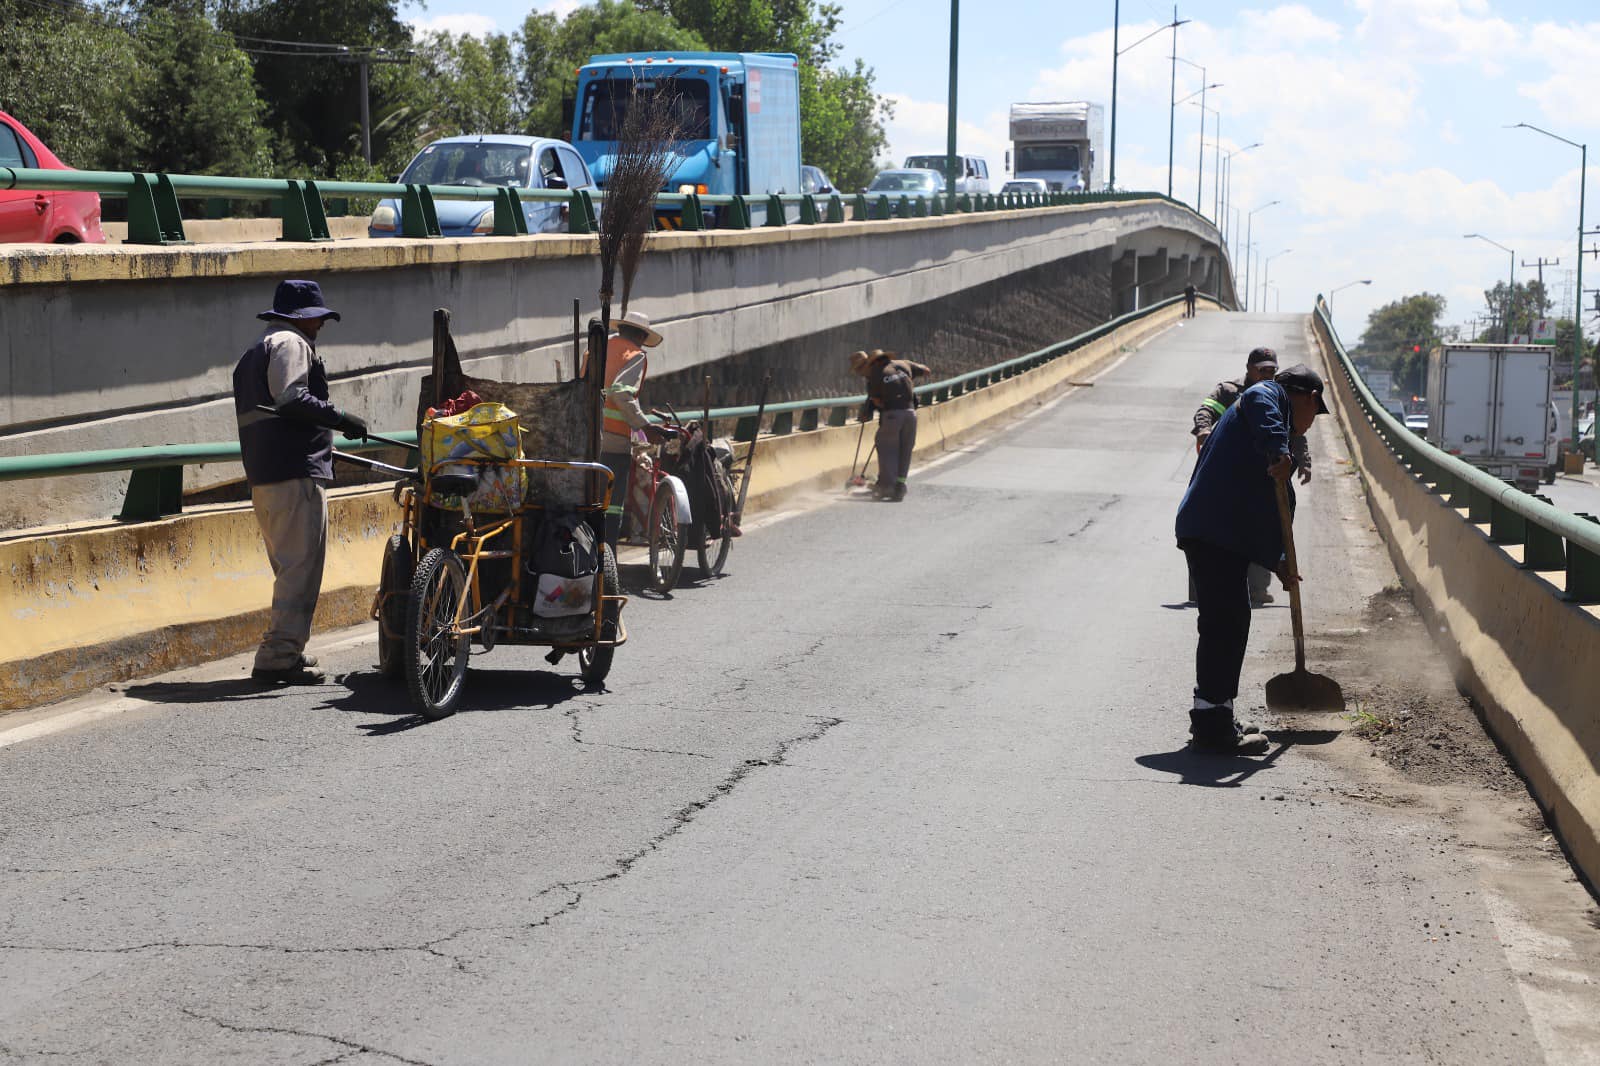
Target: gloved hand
{"type": "Point", "coordinates": [354, 427]}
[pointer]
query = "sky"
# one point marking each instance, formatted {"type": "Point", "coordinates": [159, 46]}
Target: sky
{"type": "Point", "coordinates": [1380, 123]}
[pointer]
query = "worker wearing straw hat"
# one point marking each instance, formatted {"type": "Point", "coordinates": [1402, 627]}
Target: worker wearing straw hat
{"type": "Point", "coordinates": [890, 395]}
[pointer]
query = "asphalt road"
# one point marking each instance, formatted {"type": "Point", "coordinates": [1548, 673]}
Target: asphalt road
{"type": "Point", "coordinates": [908, 785]}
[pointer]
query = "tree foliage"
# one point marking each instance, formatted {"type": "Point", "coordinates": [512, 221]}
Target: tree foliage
{"type": "Point", "coordinates": [1394, 330]}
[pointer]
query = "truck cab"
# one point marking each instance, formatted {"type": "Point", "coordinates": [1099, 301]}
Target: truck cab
{"type": "Point", "coordinates": [738, 116]}
{"type": "Point", "coordinates": [1057, 143]}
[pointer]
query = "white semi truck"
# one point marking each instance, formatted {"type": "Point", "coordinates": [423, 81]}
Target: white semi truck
{"type": "Point", "coordinates": [1490, 405]}
{"type": "Point", "coordinates": [1059, 143]}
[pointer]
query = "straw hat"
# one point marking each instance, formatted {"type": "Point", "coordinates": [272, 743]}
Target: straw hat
{"type": "Point", "coordinates": [639, 321]}
{"type": "Point", "coordinates": [861, 361]}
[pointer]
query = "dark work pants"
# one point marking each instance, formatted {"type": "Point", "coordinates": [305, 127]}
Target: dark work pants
{"type": "Point", "coordinates": [621, 465]}
{"type": "Point", "coordinates": [1222, 591]}
{"type": "Point", "coordinates": [896, 439]}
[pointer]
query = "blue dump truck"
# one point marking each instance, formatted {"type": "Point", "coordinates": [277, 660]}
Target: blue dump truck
{"type": "Point", "coordinates": [739, 119]}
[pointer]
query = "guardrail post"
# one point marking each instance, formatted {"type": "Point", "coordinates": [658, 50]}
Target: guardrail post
{"type": "Point", "coordinates": [509, 221]}
{"type": "Point", "coordinates": [965, 203]}
{"type": "Point", "coordinates": [838, 416]}
{"type": "Point", "coordinates": [835, 209]}
{"type": "Point", "coordinates": [883, 210]}
{"type": "Point", "coordinates": [1543, 549]}
{"type": "Point", "coordinates": [1479, 509]}
{"type": "Point", "coordinates": [153, 216]}
{"type": "Point", "coordinates": [809, 419]}
{"type": "Point", "coordinates": [739, 213]}
{"type": "Point", "coordinates": [859, 211]}
{"type": "Point", "coordinates": [152, 493]}
{"type": "Point", "coordinates": [1505, 525]}
{"type": "Point", "coordinates": [783, 423]}
{"type": "Point", "coordinates": [809, 215]}
{"type": "Point", "coordinates": [418, 218]}
{"type": "Point", "coordinates": [1583, 570]}
{"type": "Point", "coordinates": [776, 215]}
{"type": "Point", "coordinates": [693, 217]}
{"type": "Point", "coordinates": [746, 429]}
{"type": "Point", "coordinates": [580, 213]}
{"type": "Point", "coordinates": [303, 218]}
{"type": "Point", "coordinates": [938, 207]}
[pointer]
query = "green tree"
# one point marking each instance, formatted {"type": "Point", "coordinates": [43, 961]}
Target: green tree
{"type": "Point", "coordinates": [62, 74]}
{"type": "Point", "coordinates": [842, 123]}
{"type": "Point", "coordinates": [1394, 330]}
{"type": "Point", "coordinates": [551, 49]}
{"type": "Point", "coordinates": [473, 83]}
{"type": "Point", "coordinates": [1522, 305]}
{"type": "Point", "coordinates": [193, 100]}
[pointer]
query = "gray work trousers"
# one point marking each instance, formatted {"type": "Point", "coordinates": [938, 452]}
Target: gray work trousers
{"type": "Point", "coordinates": [293, 516]}
{"type": "Point", "coordinates": [896, 439]}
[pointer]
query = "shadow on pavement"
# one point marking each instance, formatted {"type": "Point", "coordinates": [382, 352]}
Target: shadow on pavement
{"type": "Point", "coordinates": [370, 692]}
{"type": "Point", "coordinates": [231, 690]}
{"type": "Point", "coordinates": [1231, 771]}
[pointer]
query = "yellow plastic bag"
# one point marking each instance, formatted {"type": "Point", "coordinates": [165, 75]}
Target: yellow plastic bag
{"type": "Point", "coordinates": [488, 431]}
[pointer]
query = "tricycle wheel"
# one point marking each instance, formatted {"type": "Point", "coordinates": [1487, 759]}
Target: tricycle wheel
{"type": "Point", "coordinates": [714, 553]}
{"type": "Point", "coordinates": [667, 541]}
{"type": "Point", "coordinates": [436, 656]}
{"type": "Point", "coordinates": [394, 585]}
{"type": "Point", "coordinates": [594, 661]}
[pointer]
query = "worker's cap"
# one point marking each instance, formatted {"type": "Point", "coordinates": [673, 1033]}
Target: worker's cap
{"type": "Point", "coordinates": [1262, 357]}
{"type": "Point", "coordinates": [637, 321]}
{"type": "Point", "coordinates": [861, 361]}
{"type": "Point", "coordinates": [1301, 378]}
{"type": "Point", "coordinates": [298, 301]}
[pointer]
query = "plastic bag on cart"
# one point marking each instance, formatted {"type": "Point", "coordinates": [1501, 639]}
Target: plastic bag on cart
{"type": "Point", "coordinates": [566, 562]}
{"type": "Point", "coordinates": [486, 431]}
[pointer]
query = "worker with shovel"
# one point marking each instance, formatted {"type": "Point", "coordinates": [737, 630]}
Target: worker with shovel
{"type": "Point", "coordinates": [890, 394]}
{"type": "Point", "coordinates": [1229, 518]}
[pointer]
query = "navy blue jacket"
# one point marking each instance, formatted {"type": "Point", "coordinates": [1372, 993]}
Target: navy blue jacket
{"type": "Point", "coordinates": [282, 370]}
{"type": "Point", "coordinates": [1230, 503]}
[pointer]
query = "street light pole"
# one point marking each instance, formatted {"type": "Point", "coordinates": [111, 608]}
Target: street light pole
{"type": "Point", "coordinates": [950, 108]}
{"type": "Point", "coordinates": [1511, 293]}
{"type": "Point", "coordinates": [1172, 100]}
{"type": "Point", "coordinates": [1249, 219]}
{"type": "Point", "coordinates": [1266, 272]}
{"type": "Point", "coordinates": [1116, 30]}
{"type": "Point", "coordinates": [1216, 170]}
{"type": "Point", "coordinates": [1346, 285]}
{"type": "Point", "coordinates": [1577, 310]}
{"type": "Point", "coordinates": [1227, 176]}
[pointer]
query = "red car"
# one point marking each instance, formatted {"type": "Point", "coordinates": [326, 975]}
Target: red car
{"type": "Point", "coordinates": [38, 215]}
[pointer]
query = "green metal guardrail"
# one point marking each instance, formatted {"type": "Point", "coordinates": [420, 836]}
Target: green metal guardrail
{"type": "Point", "coordinates": [154, 217]}
{"type": "Point", "coordinates": [1550, 538]}
{"type": "Point", "coordinates": [155, 487]}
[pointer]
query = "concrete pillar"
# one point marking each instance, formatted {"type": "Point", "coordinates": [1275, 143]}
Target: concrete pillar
{"type": "Point", "coordinates": [1124, 283]}
{"type": "Point", "coordinates": [1152, 277]}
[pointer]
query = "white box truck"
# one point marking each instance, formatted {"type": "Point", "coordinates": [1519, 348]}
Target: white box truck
{"type": "Point", "coordinates": [1059, 143]}
{"type": "Point", "coordinates": [1490, 405]}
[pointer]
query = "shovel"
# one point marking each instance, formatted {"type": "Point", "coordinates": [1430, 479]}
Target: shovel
{"type": "Point", "coordinates": [1301, 690]}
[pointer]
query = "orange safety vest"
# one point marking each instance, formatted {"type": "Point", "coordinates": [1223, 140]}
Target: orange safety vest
{"type": "Point", "coordinates": [625, 370]}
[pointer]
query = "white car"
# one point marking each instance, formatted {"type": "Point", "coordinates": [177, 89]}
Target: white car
{"type": "Point", "coordinates": [1418, 424]}
{"type": "Point", "coordinates": [1029, 186]}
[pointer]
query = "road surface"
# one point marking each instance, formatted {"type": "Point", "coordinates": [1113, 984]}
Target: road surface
{"type": "Point", "coordinates": [908, 785]}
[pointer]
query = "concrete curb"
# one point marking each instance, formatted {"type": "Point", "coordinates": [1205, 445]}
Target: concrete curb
{"type": "Point", "coordinates": [1526, 655]}
{"type": "Point", "coordinates": [108, 603]}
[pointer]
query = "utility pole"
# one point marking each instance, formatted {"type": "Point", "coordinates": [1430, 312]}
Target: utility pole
{"type": "Point", "coordinates": [950, 162]}
{"type": "Point", "coordinates": [1116, 30]}
{"type": "Point", "coordinates": [1172, 102]}
{"type": "Point", "coordinates": [364, 61]}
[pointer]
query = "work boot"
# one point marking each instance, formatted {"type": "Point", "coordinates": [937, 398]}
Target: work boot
{"type": "Point", "coordinates": [899, 493]}
{"type": "Point", "coordinates": [1214, 730]}
{"type": "Point", "coordinates": [308, 660]}
{"type": "Point", "coordinates": [298, 674]}
{"type": "Point", "coordinates": [1262, 599]}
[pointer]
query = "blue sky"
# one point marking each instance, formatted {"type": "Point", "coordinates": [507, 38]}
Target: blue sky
{"type": "Point", "coordinates": [1380, 121]}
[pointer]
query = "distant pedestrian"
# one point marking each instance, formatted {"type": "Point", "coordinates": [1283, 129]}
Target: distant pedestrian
{"type": "Point", "coordinates": [1228, 520]}
{"type": "Point", "coordinates": [890, 394]}
{"type": "Point", "coordinates": [1260, 365]}
{"type": "Point", "coordinates": [1188, 300]}
{"type": "Point", "coordinates": [288, 461]}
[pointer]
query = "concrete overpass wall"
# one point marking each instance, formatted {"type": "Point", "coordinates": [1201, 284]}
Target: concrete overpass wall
{"type": "Point", "coordinates": [118, 347]}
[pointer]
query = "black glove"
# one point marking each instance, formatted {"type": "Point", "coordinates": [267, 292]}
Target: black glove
{"type": "Point", "coordinates": [354, 427]}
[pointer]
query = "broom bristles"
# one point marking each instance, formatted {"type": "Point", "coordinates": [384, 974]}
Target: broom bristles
{"type": "Point", "coordinates": [648, 136]}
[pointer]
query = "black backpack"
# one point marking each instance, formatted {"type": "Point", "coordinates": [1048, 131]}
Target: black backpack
{"type": "Point", "coordinates": [564, 545]}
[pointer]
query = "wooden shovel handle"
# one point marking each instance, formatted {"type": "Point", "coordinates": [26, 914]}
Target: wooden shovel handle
{"type": "Point", "coordinates": [1286, 520]}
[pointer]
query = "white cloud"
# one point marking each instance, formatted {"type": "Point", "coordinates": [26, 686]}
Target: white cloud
{"type": "Point", "coordinates": [1570, 56]}
{"type": "Point", "coordinates": [459, 24]}
{"type": "Point", "coordinates": [919, 127]}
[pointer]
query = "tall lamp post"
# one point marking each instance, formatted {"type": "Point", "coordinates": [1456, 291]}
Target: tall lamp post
{"type": "Point", "coordinates": [1249, 219]}
{"type": "Point", "coordinates": [1511, 292]}
{"type": "Point", "coordinates": [950, 164]}
{"type": "Point", "coordinates": [1346, 285]}
{"type": "Point", "coordinates": [1117, 53]}
{"type": "Point", "coordinates": [1266, 273]}
{"type": "Point", "coordinates": [1216, 162]}
{"type": "Point", "coordinates": [1577, 310]}
{"type": "Point", "coordinates": [1227, 175]}
{"type": "Point", "coordinates": [1200, 92]}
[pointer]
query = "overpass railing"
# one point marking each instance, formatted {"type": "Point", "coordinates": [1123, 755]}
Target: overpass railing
{"type": "Point", "coordinates": [154, 216]}
{"type": "Point", "coordinates": [1549, 538]}
{"type": "Point", "coordinates": [155, 485]}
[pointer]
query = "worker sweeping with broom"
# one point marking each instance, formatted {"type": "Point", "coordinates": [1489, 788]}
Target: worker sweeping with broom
{"type": "Point", "coordinates": [1229, 518]}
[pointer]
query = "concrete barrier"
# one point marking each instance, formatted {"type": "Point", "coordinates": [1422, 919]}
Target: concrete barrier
{"type": "Point", "coordinates": [1523, 653]}
{"type": "Point", "coordinates": [103, 604]}
{"type": "Point", "coordinates": [111, 347]}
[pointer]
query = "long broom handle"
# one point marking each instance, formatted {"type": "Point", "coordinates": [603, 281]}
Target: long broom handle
{"type": "Point", "coordinates": [1286, 520]}
{"type": "Point", "coordinates": [750, 456]}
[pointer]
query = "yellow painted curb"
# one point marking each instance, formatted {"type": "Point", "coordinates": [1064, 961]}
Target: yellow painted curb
{"type": "Point", "coordinates": [1523, 653]}
{"type": "Point", "coordinates": [101, 604]}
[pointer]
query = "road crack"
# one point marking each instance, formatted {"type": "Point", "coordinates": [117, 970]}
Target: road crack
{"type": "Point", "coordinates": [351, 1047]}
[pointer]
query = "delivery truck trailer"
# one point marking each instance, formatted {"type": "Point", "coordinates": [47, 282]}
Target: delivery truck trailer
{"type": "Point", "coordinates": [1490, 405]}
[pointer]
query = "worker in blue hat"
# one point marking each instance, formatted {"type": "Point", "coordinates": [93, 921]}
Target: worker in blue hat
{"type": "Point", "coordinates": [288, 461]}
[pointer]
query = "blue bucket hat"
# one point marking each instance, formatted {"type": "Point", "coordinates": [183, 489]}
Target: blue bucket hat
{"type": "Point", "coordinates": [298, 300]}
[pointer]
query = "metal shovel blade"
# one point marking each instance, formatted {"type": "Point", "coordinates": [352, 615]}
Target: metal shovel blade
{"type": "Point", "coordinates": [1301, 690]}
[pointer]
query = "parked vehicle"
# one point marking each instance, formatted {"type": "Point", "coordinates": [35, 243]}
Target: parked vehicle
{"type": "Point", "coordinates": [487, 160]}
{"type": "Point", "coordinates": [1417, 422]}
{"type": "Point", "coordinates": [1490, 405]}
{"type": "Point", "coordinates": [1058, 143]}
{"type": "Point", "coordinates": [738, 117]}
{"type": "Point", "coordinates": [44, 216]}
{"type": "Point", "coordinates": [1586, 437]}
{"type": "Point", "coordinates": [974, 176]}
{"type": "Point", "coordinates": [908, 180]}
{"type": "Point", "coordinates": [1026, 186]}
{"type": "Point", "coordinates": [814, 182]}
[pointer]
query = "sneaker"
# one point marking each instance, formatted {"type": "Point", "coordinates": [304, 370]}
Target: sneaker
{"type": "Point", "coordinates": [308, 660]}
{"type": "Point", "coordinates": [899, 493]}
{"type": "Point", "coordinates": [298, 674]}
{"type": "Point", "coordinates": [1262, 600]}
